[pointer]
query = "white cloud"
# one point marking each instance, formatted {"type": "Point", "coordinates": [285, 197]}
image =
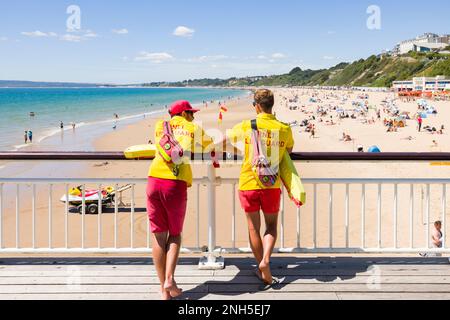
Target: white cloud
{"type": "Point", "coordinates": [3, 39]}
{"type": "Point", "coordinates": [262, 57]}
{"type": "Point", "coordinates": [91, 35]}
{"type": "Point", "coordinates": [184, 32]}
{"type": "Point", "coordinates": [71, 38]}
{"type": "Point", "coordinates": [331, 32]}
{"type": "Point", "coordinates": [328, 58]}
{"type": "Point", "coordinates": [38, 34]}
{"type": "Point", "coordinates": [125, 58]}
{"type": "Point", "coordinates": [278, 56]}
{"type": "Point", "coordinates": [120, 31]}
{"type": "Point", "coordinates": [79, 36]}
{"type": "Point", "coordinates": [208, 58]}
{"type": "Point", "coordinates": [156, 57]}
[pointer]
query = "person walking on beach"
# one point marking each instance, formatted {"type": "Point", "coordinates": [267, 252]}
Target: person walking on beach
{"type": "Point", "coordinates": [313, 132]}
{"type": "Point", "coordinates": [277, 138]}
{"type": "Point", "coordinates": [167, 187]}
{"type": "Point", "coordinates": [30, 136]}
{"type": "Point", "coordinates": [420, 122]}
{"type": "Point", "coordinates": [26, 137]}
{"type": "Point", "coordinates": [61, 125]}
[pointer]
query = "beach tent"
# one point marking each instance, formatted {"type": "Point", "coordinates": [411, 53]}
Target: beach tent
{"type": "Point", "coordinates": [374, 149]}
{"type": "Point", "coordinates": [430, 110]}
{"type": "Point", "coordinates": [422, 102]}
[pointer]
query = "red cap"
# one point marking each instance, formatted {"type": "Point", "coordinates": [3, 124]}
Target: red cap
{"type": "Point", "coordinates": [179, 107]}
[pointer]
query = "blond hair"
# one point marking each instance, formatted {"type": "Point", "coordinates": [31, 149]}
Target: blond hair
{"type": "Point", "coordinates": [265, 99]}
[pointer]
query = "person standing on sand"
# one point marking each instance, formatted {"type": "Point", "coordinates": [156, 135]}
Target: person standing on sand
{"type": "Point", "coordinates": [30, 136]}
{"type": "Point", "coordinates": [437, 235]}
{"type": "Point", "coordinates": [167, 193]}
{"type": "Point", "coordinates": [26, 137]}
{"type": "Point", "coordinates": [436, 238]}
{"type": "Point", "coordinates": [420, 122]}
{"type": "Point", "coordinates": [278, 138]}
{"type": "Point", "coordinates": [313, 132]}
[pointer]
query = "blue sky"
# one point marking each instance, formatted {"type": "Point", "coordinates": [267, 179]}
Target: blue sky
{"type": "Point", "coordinates": [135, 41]}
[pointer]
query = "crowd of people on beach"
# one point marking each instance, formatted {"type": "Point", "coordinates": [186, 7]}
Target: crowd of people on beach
{"type": "Point", "coordinates": [335, 107]}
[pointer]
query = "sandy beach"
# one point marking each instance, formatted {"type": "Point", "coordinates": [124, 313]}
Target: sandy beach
{"type": "Point", "coordinates": [328, 138]}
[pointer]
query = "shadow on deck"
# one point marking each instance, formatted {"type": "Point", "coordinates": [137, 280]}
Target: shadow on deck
{"type": "Point", "coordinates": [301, 279]}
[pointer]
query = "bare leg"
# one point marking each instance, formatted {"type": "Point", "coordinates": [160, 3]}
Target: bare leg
{"type": "Point", "coordinates": [270, 239]}
{"type": "Point", "coordinates": [159, 259]}
{"type": "Point", "coordinates": [254, 227]}
{"type": "Point", "coordinates": [173, 252]}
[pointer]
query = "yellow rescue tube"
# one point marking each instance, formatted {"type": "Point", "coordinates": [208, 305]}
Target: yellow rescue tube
{"type": "Point", "coordinates": [144, 151]}
{"type": "Point", "coordinates": [292, 181]}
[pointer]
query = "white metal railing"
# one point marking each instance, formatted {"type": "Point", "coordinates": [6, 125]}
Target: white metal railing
{"type": "Point", "coordinates": [316, 200]}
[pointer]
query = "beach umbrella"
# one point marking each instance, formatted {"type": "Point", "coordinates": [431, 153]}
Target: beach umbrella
{"type": "Point", "coordinates": [374, 149]}
{"type": "Point", "coordinates": [424, 115]}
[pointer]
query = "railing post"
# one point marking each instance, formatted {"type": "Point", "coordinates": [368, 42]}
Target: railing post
{"type": "Point", "coordinates": [363, 216]}
{"type": "Point", "coordinates": [66, 219]}
{"type": "Point", "coordinates": [17, 217]}
{"type": "Point", "coordinates": [198, 217]}
{"type": "Point", "coordinates": [315, 218]}
{"type": "Point", "coordinates": [233, 221]}
{"type": "Point", "coordinates": [211, 262]}
{"type": "Point", "coordinates": [427, 213]}
{"type": "Point", "coordinates": [282, 219]}
{"type": "Point", "coordinates": [444, 214]}
{"type": "Point", "coordinates": [1, 216]}
{"type": "Point", "coordinates": [411, 217]}
{"type": "Point", "coordinates": [33, 216]}
{"type": "Point", "coordinates": [50, 214]}
{"type": "Point", "coordinates": [396, 216]}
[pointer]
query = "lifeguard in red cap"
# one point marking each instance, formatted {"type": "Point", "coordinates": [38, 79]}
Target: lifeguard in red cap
{"type": "Point", "coordinates": [170, 176]}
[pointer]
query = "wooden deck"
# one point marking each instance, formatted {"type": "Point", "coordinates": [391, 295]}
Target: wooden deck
{"type": "Point", "coordinates": [302, 279]}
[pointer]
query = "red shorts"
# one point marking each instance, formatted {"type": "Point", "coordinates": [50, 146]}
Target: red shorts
{"type": "Point", "coordinates": [166, 205]}
{"type": "Point", "coordinates": [267, 201]}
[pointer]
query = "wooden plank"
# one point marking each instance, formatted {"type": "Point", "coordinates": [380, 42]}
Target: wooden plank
{"type": "Point", "coordinates": [82, 296]}
{"type": "Point", "coordinates": [394, 296]}
{"type": "Point", "coordinates": [342, 273]}
{"type": "Point", "coordinates": [264, 296]}
{"type": "Point", "coordinates": [230, 280]}
{"type": "Point", "coordinates": [111, 273]}
{"type": "Point", "coordinates": [225, 288]}
{"type": "Point", "coordinates": [74, 288]}
{"type": "Point", "coordinates": [442, 266]}
{"type": "Point", "coordinates": [232, 296]}
{"type": "Point", "coordinates": [27, 267]}
{"type": "Point", "coordinates": [154, 296]}
{"type": "Point", "coordinates": [331, 287]}
{"type": "Point", "coordinates": [200, 273]}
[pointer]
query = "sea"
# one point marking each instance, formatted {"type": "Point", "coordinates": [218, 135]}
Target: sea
{"type": "Point", "coordinates": [92, 110]}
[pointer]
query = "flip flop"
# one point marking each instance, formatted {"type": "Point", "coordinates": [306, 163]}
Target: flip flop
{"type": "Point", "coordinates": [267, 287]}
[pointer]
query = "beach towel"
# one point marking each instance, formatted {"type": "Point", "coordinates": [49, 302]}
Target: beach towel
{"type": "Point", "coordinates": [292, 181]}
